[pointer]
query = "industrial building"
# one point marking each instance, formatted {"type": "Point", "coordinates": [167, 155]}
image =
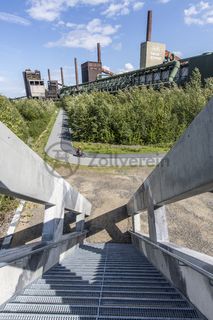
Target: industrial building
{"type": "Point", "coordinates": [34, 85]}
{"type": "Point", "coordinates": [92, 70]}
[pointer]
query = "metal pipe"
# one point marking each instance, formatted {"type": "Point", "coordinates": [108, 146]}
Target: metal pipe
{"type": "Point", "coordinates": [62, 76]}
{"type": "Point", "coordinates": [99, 52]}
{"type": "Point", "coordinates": [49, 75]}
{"type": "Point", "coordinates": [76, 72]}
{"type": "Point", "coordinates": [149, 26]}
{"type": "Point", "coordinates": [174, 71]}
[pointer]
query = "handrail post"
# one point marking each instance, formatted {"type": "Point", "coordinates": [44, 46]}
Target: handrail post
{"type": "Point", "coordinates": [80, 221]}
{"type": "Point", "coordinates": [54, 218]}
{"type": "Point", "coordinates": [53, 223]}
{"type": "Point", "coordinates": [158, 228]}
{"type": "Point", "coordinates": [136, 222]}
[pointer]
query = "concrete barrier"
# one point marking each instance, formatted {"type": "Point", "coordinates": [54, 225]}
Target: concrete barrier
{"type": "Point", "coordinates": [23, 174]}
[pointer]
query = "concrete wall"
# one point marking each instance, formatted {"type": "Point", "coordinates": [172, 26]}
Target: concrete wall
{"type": "Point", "coordinates": [25, 175]}
{"type": "Point", "coordinates": [192, 283]}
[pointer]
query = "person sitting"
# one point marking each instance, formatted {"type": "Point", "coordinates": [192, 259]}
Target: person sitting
{"type": "Point", "coordinates": [79, 151]}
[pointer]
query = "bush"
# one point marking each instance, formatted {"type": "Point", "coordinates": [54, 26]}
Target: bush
{"type": "Point", "coordinates": [137, 115]}
{"type": "Point", "coordinates": [36, 114]}
{"type": "Point", "coordinates": [27, 119]}
{"type": "Point", "coordinates": [10, 116]}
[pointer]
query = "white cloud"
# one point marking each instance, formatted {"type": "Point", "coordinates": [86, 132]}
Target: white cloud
{"type": "Point", "coordinates": [122, 8]}
{"type": "Point", "coordinates": [138, 5]}
{"type": "Point", "coordinates": [117, 9]}
{"type": "Point", "coordinates": [2, 79]}
{"type": "Point", "coordinates": [50, 10]}
{"type": "Point", "coordinates": [127, 68]}
{"type": "Point", "coordinates": [87, 36]}
{"type": "Point", "coordinates": [164, 1]}
{"type": "Point", "coordinates": [11, 18]}
{"type": "Point", "coordinates": [199, 14]}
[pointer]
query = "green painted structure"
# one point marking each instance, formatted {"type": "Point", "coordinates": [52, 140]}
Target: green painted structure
{"type": "Point", "coordinates": [164, 74]}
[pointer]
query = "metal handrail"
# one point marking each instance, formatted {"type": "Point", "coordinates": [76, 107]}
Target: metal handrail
{"type": "Point", "coordinates": [175, 256]}
{"type": "Point", "coordinates": [46, 247]}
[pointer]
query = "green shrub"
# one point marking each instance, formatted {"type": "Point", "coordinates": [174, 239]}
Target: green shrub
{"type": "Point", "coordinates": [138, 115]}
{"type": "Point", "coordinates": [10, 116]}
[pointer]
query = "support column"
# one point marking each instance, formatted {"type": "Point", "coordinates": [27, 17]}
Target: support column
{"type": "Point", "coordinates": [53, 223]}
{"type": "Point", "coordinates": [80, 221]}
{"type": "Point", "coordinates": [158, 229]}
{"type": "Point", "coordinates": [136, 222]}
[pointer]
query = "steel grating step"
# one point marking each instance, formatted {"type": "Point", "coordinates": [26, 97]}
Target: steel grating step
{"type": "Point", "coordinates": [105, 288]}
{"type": "Point", "coordinates": [100, 277]}
{"type": "Point", "coordinates": [118, 294]}
{"type": "Point", "coordinates": [180, 313]}
{"type": "Point", "coordinates": [106, 269]}
{"type": "Point", "coordinates": [107, 274]}
{"type": "Point", "coordinates": [51, 309]}
{"type": "Point", "coordinates": [98, 284]}
{"type": "Point", "coordinates": [115, 272]}
{"type": "Point", "coordinates": [27, 316]}
{"type": "Point", "coordinates": [122, 282]}
{"type": "Point", "coordinates": [62, 293]}
{"type": "Point", "coordinates": [149, 312]}
{"type": "Point", "coordinates": [150, 302]}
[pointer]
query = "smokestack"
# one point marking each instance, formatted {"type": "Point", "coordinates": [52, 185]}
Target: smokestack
{"type": "Point", "coordinates": [62, 77]}
{"type": "Point", "coordinates": [49, 76]}
{"type": "Point", "coordinates": [76, 72]}
{"type": "Point", "coordinates": [149, 26]}
{"type": "Point", "coordinates": [99, 52]}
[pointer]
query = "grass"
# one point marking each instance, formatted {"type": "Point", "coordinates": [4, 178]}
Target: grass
{"type": "Point", "coordinates": [121, 149]}
{"type": "Point", "coordinates": [41, 142]}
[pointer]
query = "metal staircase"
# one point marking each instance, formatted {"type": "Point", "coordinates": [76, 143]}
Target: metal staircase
{"type": "Point", "coordinates": [102, 281]}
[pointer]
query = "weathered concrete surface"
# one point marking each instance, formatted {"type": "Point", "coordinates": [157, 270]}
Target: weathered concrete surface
{"type": "Point", "coordinates": [19, 267]}
{"type": "Point", "coordinates": [194, 285]}
{"type": "Point", "coordinates": [23, 174]}
{"type": "Point", "coordinates": [185, 171]}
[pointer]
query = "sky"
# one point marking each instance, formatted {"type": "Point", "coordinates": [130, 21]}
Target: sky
{"type": "Point", "coordinates": [42, 34]}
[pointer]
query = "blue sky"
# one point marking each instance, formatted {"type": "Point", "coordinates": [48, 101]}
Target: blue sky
{"type": "Point", "coordinates": [45, 34]}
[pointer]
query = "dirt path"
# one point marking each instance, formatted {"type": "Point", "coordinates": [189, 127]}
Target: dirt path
{"type": "Point", "coordinates": [190, 221]}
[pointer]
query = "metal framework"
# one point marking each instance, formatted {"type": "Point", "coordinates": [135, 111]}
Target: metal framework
{"type": "Point", "coordinates": [163, 74]}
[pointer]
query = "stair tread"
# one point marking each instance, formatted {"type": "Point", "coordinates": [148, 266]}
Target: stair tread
{"type": "Point", "coordinates": [111, 282]}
